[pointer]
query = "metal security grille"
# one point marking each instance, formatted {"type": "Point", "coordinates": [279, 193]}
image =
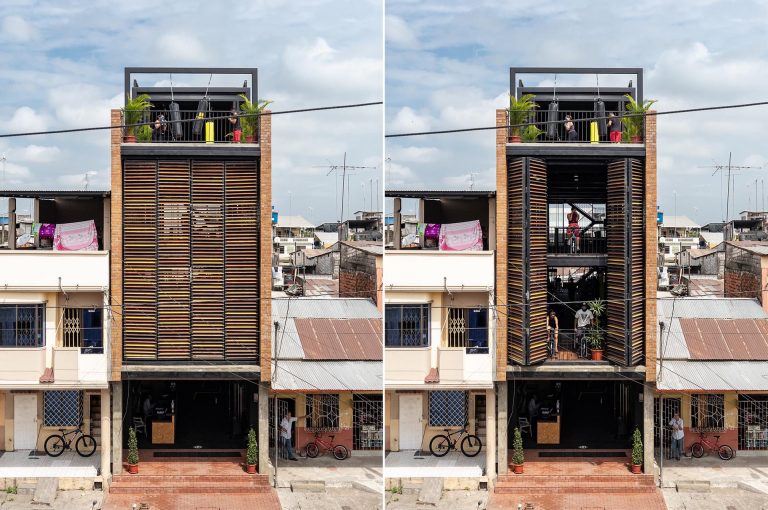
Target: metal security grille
{"type": "Point", "coordinates": [62, 408]}
{"type": "Point", "coordinates": [283, 406]}
{"type": "Point", "coordinates": [457, 327]}
{"type": "Point", "coordinates": [663, 430]}
{"type": "Point", "coordinates": [447, 408]}
{"type": "Point", "coordinates": [753, 422]}
{"type": "Point", "coordinates": [407, 325]}
{"type": "Point", "coordinates": [367, 422]}
{"type": "Point", "coordinates": [73, 320]}
{"type": "Point", "coordinates": [707, 412]}
{"type": "Point", "coordinates": [322, 413]}
{"type": "Point", "coordinates": [21, 325]}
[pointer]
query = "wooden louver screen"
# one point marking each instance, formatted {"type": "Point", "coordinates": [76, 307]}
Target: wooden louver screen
{"type": "Point", "coordinates": [626, 262]}
{"type": "Point", "coordinates": [191, 251]}
{"type": "Point", "coordinates": [515, 262]}
{"type": "Point", "coordinates": [537, 261]}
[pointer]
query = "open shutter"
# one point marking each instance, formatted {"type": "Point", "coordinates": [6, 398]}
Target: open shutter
{"type": "Point", "coordinates": [173, 260]}
{"type": "Point", "coordinates": [636, 286]}
{"type": "Point", "coordinates": [516, 350]}
{"type": "Point", "coordinates": [537, 260]}
{"type": "Point", "coordinates": [139, 260]}
{"type": "Point", "coordinates": [242, 261]}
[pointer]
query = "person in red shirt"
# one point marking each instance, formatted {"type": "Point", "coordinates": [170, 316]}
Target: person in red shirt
{"type": "Point", "coordinates": [573, 227]}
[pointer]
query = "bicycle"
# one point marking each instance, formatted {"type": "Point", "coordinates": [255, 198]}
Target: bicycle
{"type": "Point", "coordinates": [340, 452]}
{"type": "Point", "coordinates": [441, 444]}
{"type": "Point", "coordinates": [724, 451]}
{"type": "Point", "coordinates": [85, 445]}
{"type": "Point", "coordinates": [581, 341]}
{"type": "Point", "coordinates": [551, 344]}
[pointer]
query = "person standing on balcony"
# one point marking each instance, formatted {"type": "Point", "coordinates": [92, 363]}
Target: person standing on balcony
{"type": "Point", "coordinates": [584, 318]}
{"type": "Point", "coordinates": [573, 227]}
{"type": "Point", "coordinates": [570, 129]}
{"type": "Point", "coordinates": [553, 328]}
{"type": "Point", "coordinates": [234, 123]}
{"type": "Point", "coordinates": [614, 128]}
{"type": "Point", "coordinates": [677, 435]}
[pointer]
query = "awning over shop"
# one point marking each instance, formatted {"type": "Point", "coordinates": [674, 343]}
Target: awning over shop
{"type": "Point", "coordinates": [301, 375]}
{"type": "Point", "coordinates": [708, 376]}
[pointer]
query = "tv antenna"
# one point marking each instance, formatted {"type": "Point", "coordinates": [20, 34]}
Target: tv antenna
{"type": "Point", "coordinates": [732, 169]}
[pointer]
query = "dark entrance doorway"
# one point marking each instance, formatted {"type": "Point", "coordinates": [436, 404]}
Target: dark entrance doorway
{"type": "Point", "coordinates": [592, 414]}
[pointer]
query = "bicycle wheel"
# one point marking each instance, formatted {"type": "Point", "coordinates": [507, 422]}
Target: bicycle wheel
{"type": "Point", "coordinates": [471, 445]}
{"type": "Point", "coordinates": [312, 450]}
{"type": "Point", "coordinates": [54, 446]}
{"type": "Point", "coordinates": [697, 450]}
{"type": "Point", "coordinates": [725, 452]}
{"type": "Point", "coordinates": [440, 445]}
{"type": "Point", "coordinates": [340, 452]}
{"type": "Point", "coordinates": [85, 445]}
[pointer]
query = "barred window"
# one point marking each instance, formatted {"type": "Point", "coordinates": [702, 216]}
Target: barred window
{"type": "Point", "coordinates": [322, 412]}
{"type": "Point", "coordinates": [406, 325]}
{"type": "Point", "coordinates": [22, 325]}
{"type": "Point", "coordinates": [447, 408]}
{"type": "Point", "coordinates": [62, 408]}
{"type": "Point", "coordinates": [707, 412]}
{"type": "Point", "coordinates": [83, 328]}
{"type": "Point", "coordinates": [468, 328]}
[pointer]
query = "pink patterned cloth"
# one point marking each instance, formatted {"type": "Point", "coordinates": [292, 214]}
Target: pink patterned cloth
{"type": "Point", "coordinates": [465, 236]}
{"type": "Point", "coordinates": [80, 236]}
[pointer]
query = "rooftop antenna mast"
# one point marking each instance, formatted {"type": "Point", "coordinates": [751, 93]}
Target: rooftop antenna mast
{"type": "Point", "coordinates": [731, 169]}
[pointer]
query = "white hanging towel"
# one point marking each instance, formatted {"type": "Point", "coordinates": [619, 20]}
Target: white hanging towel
{"type": "Point", "coordinates": [465, 236]}
{"type": "Point", "coordinates": [79, 236]}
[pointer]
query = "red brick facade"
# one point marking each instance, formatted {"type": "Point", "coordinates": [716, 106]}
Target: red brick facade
{"type": "Point", "coordinates": [355, 284]}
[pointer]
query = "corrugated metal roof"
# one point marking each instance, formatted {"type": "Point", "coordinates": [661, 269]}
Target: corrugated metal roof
{"type": "Point", "coordinates": [713, 376]}
{"type": "Point", "coordinates": [437, 193]}
{"type": "Point", "coordinates": [293, 222]}
{"type": "Point", "coordinates": [726, 339]}
{"type": "Point", "coordinates": [48, 193]}
{"type": "Point", "coordinates": [712, 238]}
{"type": "Point", "coordinates": [340, 339]}
{"type": "Point", "coordinates": [294, 375]}
{"type": "Point", "coordinates": [316, 308]}
{"type": "Point", "coordinates": [679, 222]}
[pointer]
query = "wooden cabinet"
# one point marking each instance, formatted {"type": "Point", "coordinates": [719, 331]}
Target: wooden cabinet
{"type": "Point", "coordinates": [548, 431]}
{"type": "Point", "coordinates": [164, 431]}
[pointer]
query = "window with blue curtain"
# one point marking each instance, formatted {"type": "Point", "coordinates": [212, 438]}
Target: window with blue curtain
{"type": "Point", "coordinates": [93, 342]}
{"type": "Point", "coordinates": [22, 325]}
{"type": "Point", "coordinates": [62, 408]}
{"type": "Point", "coordinates": [447, 408]}
{"type": "Point", "coordinates": [406, 325]}
{"type": "Point", "coordinates": [477, 341]}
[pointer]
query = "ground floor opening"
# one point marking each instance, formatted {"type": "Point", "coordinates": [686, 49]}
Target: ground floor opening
{"type": "Point", "coordinates": [575, 416]}
{"type": "Point", "coordinates": [197, 415]}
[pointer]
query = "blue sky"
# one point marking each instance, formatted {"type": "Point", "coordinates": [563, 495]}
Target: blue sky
{"type": "Point", "coordinates": [447, 66]}
{"type": "Point", "coordinates": [62, 61]}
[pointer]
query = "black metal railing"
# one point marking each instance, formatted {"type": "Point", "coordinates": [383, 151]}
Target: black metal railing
{"type": "Point", "coordinates": [542, 126]}
{"type": "Point", "coordinates": [191, 126]}
{"type": "Point", "coordinates": [578, 241]}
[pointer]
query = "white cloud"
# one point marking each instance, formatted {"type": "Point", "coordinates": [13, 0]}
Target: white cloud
{"type": "Point", "coordinates": [407, 120]}
{"type": "Point", "coordinates": [399, 33]}
{"type": "Point", "coordinates": [16, 29]}
{"type": "Point", "coordinates": [82, 105]}
{"type": "Point", "coordinates": [35, 153]}
{"type": "Point", "coordinates": [12, 174]}
{"type": "Point", "coordinates": [25, 119]}
{"type": "Point", "coordinates": [413, 154]}
{"type": "Point", "coordinates": [179, 47]}
{"type": "Point", "coordinates": [400, 176]}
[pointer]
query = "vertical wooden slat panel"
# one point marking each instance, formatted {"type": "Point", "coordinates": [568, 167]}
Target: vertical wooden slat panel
{"type": "Point", "coordinates": [173, 260]}
{"type": "Point", "coordinates": [537, 259]}
{"type": "Point", "coordinates": [616, 236]}
{"type": "Point", "coordinates": [515, 262]}
{"type": "Point", "coordinates": [242, 261]}
{"type": "Point", "coordinates": [139, 260]}
{"type": "Point", "coordinates": [637, 263]}
{"type": "Point", "coordinates": [207, 260]}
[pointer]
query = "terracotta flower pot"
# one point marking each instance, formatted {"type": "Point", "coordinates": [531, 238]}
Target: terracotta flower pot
{"type": "Point", "coordinates": [636, 469]}
{"type": "Point", "coordinates": [250, 469]}
{"type": "Point", "coordinates": [636, 139]}
{"type": "Point", "coordinates": [250, 139]}
{"type": "Point", "coordinates": [597, 354]}
{"type": "Point", "coordinates": [129, 139]}
{"type": "Point", "coordinates": [133, 469]}
{"type": "Point", "coordinates": [514, 139]}
{"type": "Point", "coordinates": [517, 469]}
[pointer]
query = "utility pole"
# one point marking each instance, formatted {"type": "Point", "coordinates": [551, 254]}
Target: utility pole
{"type": "Point", "coordinates": [731, 168]}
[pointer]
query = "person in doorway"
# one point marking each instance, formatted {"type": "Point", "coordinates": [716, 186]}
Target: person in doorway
{"type": "Point", "coordinates": [584, 318]}
{"type": "Point", "coordinates": [553, 330]}
{"type": "Point", "coordinates": [285, 435]}
{"type": "Point", "coordinates": [234, 123]}
{"type": "Point", "coordinates": [677, 435]}
{"type": "Point", "coordinates": [147, 409]}
{"type": "Point", "coordinates": [573, 227]}
{"type": "Point", "coordinates": [614, 128]}
{"type": "Point", "coordinates": [570, 130]}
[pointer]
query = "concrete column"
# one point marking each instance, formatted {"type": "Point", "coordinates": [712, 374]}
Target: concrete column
{"type": "Point", "coordinates": [490, 420]}
{"type": "Point", "coordinates": [491, 224]}
{"type": "Point", "coordinates": [117, 428]}
{"type": "Point", "coordinates": [11, 223]}
{"type": "Point", "coordinates": [648, 459]}
{"type": "Point", "coordinates": [502, 419]}
{"type": "Point", "coordinates": [106, 444]}
{"type": "Point", "coordinates": [398, 221]}
{"type": "Point", "coordinates": [263, 432]}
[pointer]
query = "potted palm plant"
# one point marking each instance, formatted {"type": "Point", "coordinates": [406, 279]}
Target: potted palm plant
{"type": "Point", "coordinates": [251, 453]}
{"type": "Point", "coordinates": [133, 113]}
{"type": "Point", "coordinates": [519, 110]}
{"type": "Point", "coordinates": [531, 134]}
{"type": "Point", "coordinates": [144, 133]}
{"type": "Point", "coordinates": [518, 456]}
{"type": "Point", "coordinates": [634, 122]}
{"type": "Point", "coordinates": [250, 118]}
{"type": "Point", "coordinates": [595, 335]}
{"type": "Point", "coordinates": [133, 452]}
{"type": "Point", "coordinates": [637, 451]}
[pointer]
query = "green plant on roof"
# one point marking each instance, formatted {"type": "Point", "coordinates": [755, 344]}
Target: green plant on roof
{"type": "Point", "coordinates": [633, 122]}
{"type": "Point", "coordinates": [519, 111]}
{"type": "Point", "coordinates": [531, 133]}
{"type": "Point", "coordinates": [133, 111]}
{"type": "Point", "coordinates": [250, 114]}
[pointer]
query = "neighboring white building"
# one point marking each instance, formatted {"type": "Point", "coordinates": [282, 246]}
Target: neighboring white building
{"type": "Point", "coordinates": [292, 233]}
{"type": "Point", "coordinates": [676, 234]}
{"type": "Point", "coordinates": [55, 323]}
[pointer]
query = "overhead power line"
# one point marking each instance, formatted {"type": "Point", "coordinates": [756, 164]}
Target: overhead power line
{"type": "Point", "coordinates": [623, 116]}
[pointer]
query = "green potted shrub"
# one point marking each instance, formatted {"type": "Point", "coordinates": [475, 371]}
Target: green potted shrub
{"type": "Point", "coordinates": [518, 456]}
{"type": "Point", "coordinates": [133, 113]}
{"type": "Point", "coordinates": [531, 134]}
{"type": "Point", "coordinates": [144, 133]}
{"type": "Point", "coordinates": [637, 451]}
{"type": "Point", "coordinates": [519, 110]}
{"type": "Point", "coordinates": [251, 453]}
{"type": "Point", "coordinates": [595, 335]}
{"type": "Point", "coordinates": [250, 118]}
{"type": "Point", "coordinates": [133, 452]}
{"type": "Point", "coordinates": [635, 121]}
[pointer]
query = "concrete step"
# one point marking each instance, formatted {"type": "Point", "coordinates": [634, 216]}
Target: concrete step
{"type": "Point", "coordinates": [193, 484]}
{"type": "Point", "coordinates": [191, 479]}
{"type": "Point", "coordinates": [543, 491]}
{"type": "Point", "coordinates": [565, 483]}
{"type": "Point", "coordinates": [219, 489]}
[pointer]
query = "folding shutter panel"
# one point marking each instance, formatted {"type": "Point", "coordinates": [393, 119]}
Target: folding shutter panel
{"type": "Point", "coordinates": [207, 260]}
{"type": "Point", "coordinates": [173, 272]}
{"type": "Point", "coordinates": [636, 281]}
{"type": "Point", "coordinates": [537, 260]}
{"type": "Point", "coordinates": [139, 260]}
{"type": "Point", "coordinates": [242, 261]}
{"type": "Point", "coordinates": [515, 262]}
